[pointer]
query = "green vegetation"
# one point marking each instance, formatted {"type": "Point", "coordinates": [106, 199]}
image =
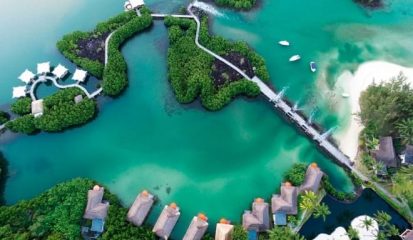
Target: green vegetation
{"type": "Point", "coordinates": [4, 117]}
{"type": "Point", "coordinates": [114, 74]}
{"type": "Point", "coordinates": [402, 185]}
{"type": "Point", "coordinates": [57, 214]}
{"type": "Point", "coordinates": [238, 4]}
{"type": "Point", "coordinates": [387, 109]}
{"type": "Point", "coordinates": [115, 78]}
{"type": "Point", "coordinates": [296, 174]}
{"type": "Point", "coordinates": [332, 191]}
{"type": "Point", "coordinates": [60, 112]}
{"type": "Point", "coordinates": [190, 68]}
{"type": "Point", "coordinates": [309, 202]}
{"type": "Point", "coordinates": [239, 233]}
{"type": "Point", "coordinates": [22, 106]}
{"type": "Point", "coordinates": [283, 233]}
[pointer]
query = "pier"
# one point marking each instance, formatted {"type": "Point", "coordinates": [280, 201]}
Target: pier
{"type": "Point", "coordinates": [162, 16]}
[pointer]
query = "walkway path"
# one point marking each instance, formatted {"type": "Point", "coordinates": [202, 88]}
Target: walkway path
{"type": "Point", "coordinates": [281, 105]}
{"type": "Point", "coordinates": [107, 46]}
{"type": "Point", "coordinates": [43, 79]}
{"type": "Point", "coordinates": [160, 15]}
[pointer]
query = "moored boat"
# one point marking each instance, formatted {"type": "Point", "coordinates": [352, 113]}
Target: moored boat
{"type": "Point", "coordinates": [295, 58]}
{"type": "Point", "coordinates": [313, 66]}
{"type": "Point", "coordinates": [345, 95]}
{"type": "Point", "coordinates": [284, 43]}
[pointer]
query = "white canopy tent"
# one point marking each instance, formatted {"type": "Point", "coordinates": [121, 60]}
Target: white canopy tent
{"type": "Point", "coordinates": [27, 76]}
{"type": "Point", "coordinates": [79, 75]}
{"type": "Point", "coordinates": [19, 92]}
{"type": "Point", "coordinates": [60, 71]}
{"type": "Point", "coordinates": [136, 3]}
{"type": "Point", "coordinates": [43, 68]}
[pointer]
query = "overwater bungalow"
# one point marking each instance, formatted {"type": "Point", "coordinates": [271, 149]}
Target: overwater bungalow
{"type": "Point", "coordinates": [407, 235]}
{"type": "Point", "coordinates": [19, 92]}
{"type": "Point", "coordinates": [60, 71]}
{"type": "Point", "coordinates": [43, 68]}
{"type": "Point", "coordinates": [386, 153]}
{"type": "Point", "coordinates": [96, 210]}
{"type": "Point", "coordinates": [166, 221]}
{"type": "Point", "coordinates": [284, 204]}
{"type": "Point", "coordinates": [79, 75]}
{"type": "Point", "coordinates": [27, 76]}
{"type": "Point", "coordinates": [140, 208]}
{"type": "Point", "coordinates": [258, 219]}
{"type": "Point", "coordinates": [197, 228]}
{"type": "Point", "coordinates": [312, 179]}
{"type": "Point", "coordinates": [224, 230]}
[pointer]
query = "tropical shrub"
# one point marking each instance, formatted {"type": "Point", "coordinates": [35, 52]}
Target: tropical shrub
{"type": "Point", "coordinates": [238, 4]}
{"type": "Point", "coordinates": [296, 174]}
{"type": "Point", "coordinates": [4, 117]}
{"type": "Point", "coordinates": [22, 106]}
{"type": "Point", "coordinates": [24, 124]}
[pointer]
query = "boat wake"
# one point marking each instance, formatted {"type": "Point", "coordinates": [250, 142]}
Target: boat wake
{"type": "Point", "coordinates": [208, 8]}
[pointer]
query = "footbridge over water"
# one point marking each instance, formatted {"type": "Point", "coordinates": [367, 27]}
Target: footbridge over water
{"type": "Point", "coordinates": [162, 16]}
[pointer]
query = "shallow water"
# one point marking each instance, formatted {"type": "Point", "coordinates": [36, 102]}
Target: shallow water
{"type": "Point", "coordinates": [210, 162]}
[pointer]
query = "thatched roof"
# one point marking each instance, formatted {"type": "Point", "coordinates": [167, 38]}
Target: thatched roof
{"type": "Point", "coordinates": [140, 208]}
{"type": "Point", "coordinates": [258, 219]}
{"type": "Point", "coordinates": [224, 231]}
{"type": "Point", "coordinates": [166, 221]}
{"type": "Point", "coordinates": [197, 228]}
{"type": "Point", "coordinates": [312, 180]}
{"type": "Point", "coordinates": [95, 209]}
{"type": "Point", "coordinates": [386, 154]}
{"type": "Point", "coordinates": [407, 235]}
{"type": "Point", "coordinates": [285, 202]}
{"type": "Point", "coordinates": [408, 154]}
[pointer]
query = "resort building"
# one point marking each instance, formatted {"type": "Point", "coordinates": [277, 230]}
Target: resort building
{"type": "Point", "coordinates": [166, 221]}
{"type": "Point", "coordinates": [79, 75]}
{"type": "Point", "coordinates": [78, 99]}
{"type": "Point", "coordinates": [224, 230]}
{"type": "Point", "coordinates": [284, 204]}
{"type": "Point", "coordinates": [96, 210]}
{"type": "Point", "coordinates": [407, 235]}
{"type": "Point", "coordinates": [19, 92]}
{"type": "Point", "coordinates": [313, 178]}
{"type": "Point", "coordinates": [140, 208]}
{"type": "Point", "coordinates": [37, 108]}
{"type": "Point", "coordinates": [257, 220]}
{"type": "Point", "coordinates": [134, 4]}
{"type": "Point", "coordinates": [407, 155]}
{"type": "Point", "coordinates": [27, 76]}
{"type": "Point", "coordinates": [60, 71]}
{"type": "Point", "coordinates": [386, 153]}
{"type": "Point", "coordinates": [43, 68]}
{"type": "Point", "coordinates": [197, 228]}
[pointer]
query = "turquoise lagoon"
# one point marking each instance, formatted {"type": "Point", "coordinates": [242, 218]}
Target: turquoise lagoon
{"type": "Point", "coordinates": [210, 162]}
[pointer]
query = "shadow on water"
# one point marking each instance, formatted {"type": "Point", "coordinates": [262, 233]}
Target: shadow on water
{"type": "Point", "coordinates": [342, 214]}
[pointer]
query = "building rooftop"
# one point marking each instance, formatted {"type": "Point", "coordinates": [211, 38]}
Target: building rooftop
{"type": "Point", "coordinates": [27, 76]}
{"type": "Point", "coordinates": [386, 153]}
{"type": "Point", "coordinates": [224, 231]}
{"type": "Point", "coordinates": [258, 219]}
{"type": "Point", "coordinates": [60, 71]}
{"type": "Point", "coordinates": [19, 92]}
{"type": "Point", "coordinates": [166, 221]}
{"type": "Point", "coordinates": [136, 3]}
{"type": "Point", "coordinates": [286, 202]}
{"type": "Point", "coordinates": [43, 68]}
{"type": "Point", "coordinates": [80, 75]}
{"type": "Point", "coordinates": [197, 228]}
{"type": "Point", "coordinates": [313, 178]}
{"type": "Point", "coordinates": [407, 235]}
{"type": "Point", "coordinates": [407, 156]}
{"type": "Point", "coordinates": [37, 108]}
{"type": "Point", "coordinates": [95, 209]}
{"type": "Point", "coordinates": [140, 208]}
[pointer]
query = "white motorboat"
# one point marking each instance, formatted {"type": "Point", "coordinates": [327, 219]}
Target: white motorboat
{"type": "Point", "coordinates": [345, 95]}
{"type": "Point", "coordinates": [313, 66]}
{"type": "Point", "coordinates": [284, 43]}
{"type": "Point", "coordinates": [295, 58]}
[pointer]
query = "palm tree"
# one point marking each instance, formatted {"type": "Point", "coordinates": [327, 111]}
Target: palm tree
{"type": "Point", "coordinates": [284, 233]}
{"type": "Point", "coordinates": [382, 218]}
{"type": "Point", "coordinates": [372, 143]}
{"type": "Point", "coordinates": [352, 233]}
{"type": "Point", "coordinates": [367, 223]}
{"type": "Point", "coordinates": [308, 201]}
{"type": "Point", "coordinates": [322, 210]}
{"type": "Point", "coordinates": [405, 129]}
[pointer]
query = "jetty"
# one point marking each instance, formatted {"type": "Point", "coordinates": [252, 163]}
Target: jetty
{"type": "Point", "coordinates": [162, 16]}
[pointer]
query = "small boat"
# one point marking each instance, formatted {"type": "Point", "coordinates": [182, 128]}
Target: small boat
{"type": "Point", "coordinates": [313, 66]}
{"type": "Point", "coordinates": [295, 58]}
{"type": "Point", "coordinates": [284, 43]}
{"type": "Point", "coordinates": [345, 95]}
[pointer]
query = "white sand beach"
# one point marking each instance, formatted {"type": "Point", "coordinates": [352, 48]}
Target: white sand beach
{"type": "Point", "coordinates": [353, 85]}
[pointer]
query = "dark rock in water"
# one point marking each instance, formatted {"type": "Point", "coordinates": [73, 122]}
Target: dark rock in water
{"type": "Point", "coordinates": [372, 4]}
{"type": "Point", "coordinates": [168, 190]}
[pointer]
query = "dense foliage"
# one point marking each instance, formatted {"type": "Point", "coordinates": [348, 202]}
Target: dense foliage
{"type": "Point", "coordinates": [239, 233]}
{"type": "Point", "coordinates": [402, 185]}
{"type": "Point", "coordinates": [341, 196]}
{"type": "Point", "coordinates": [68, 45]}
{"type": "Point", "coordinates": [296, 174]}
{"type": "Point", "coordinates": [238, 4]}
{"type": "Point", "coordinates": [284, 233]}
{"type": "Point", "coordinates": [115, 78]}
{"type": "Point", "coordinates": [4, 117]}
{"type": "Point", "coordinates": [190, 68]}
{"type": "Point", "coordinates": [386, 106]}
{"type": "Point", "coordinates": [60, 112]}
{"type": "Point", "coordinates": [57, 214]}
{"type": "Point", "coordinates": [22, 106]}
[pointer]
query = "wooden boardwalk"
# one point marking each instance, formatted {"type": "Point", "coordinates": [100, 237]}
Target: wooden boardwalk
{"type": "Point", "coordinates": [162, 16]}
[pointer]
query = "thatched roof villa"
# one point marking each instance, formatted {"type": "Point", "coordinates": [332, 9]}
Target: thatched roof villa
{"type": "Point", "coordinates": [284, 204]}
{"type": "Point", "coordinates": [224, 230]}
{"type": "Point", "coordinates": [386, 153]}
{"type": "Point", "coordinates": [258, 219]}
{"type": "Point", "coordinates": [140, 208]}
{"type": "Point", "coordinates": [96, 210]}
{"type": "Point", "coordinates": [407, 235]}
{"type": "Point", "coordinates": [197, 228]}
{"type": "Point", "coordinates": [312, 179]}
{"type": "Point", "coordinates": [166, 221]}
